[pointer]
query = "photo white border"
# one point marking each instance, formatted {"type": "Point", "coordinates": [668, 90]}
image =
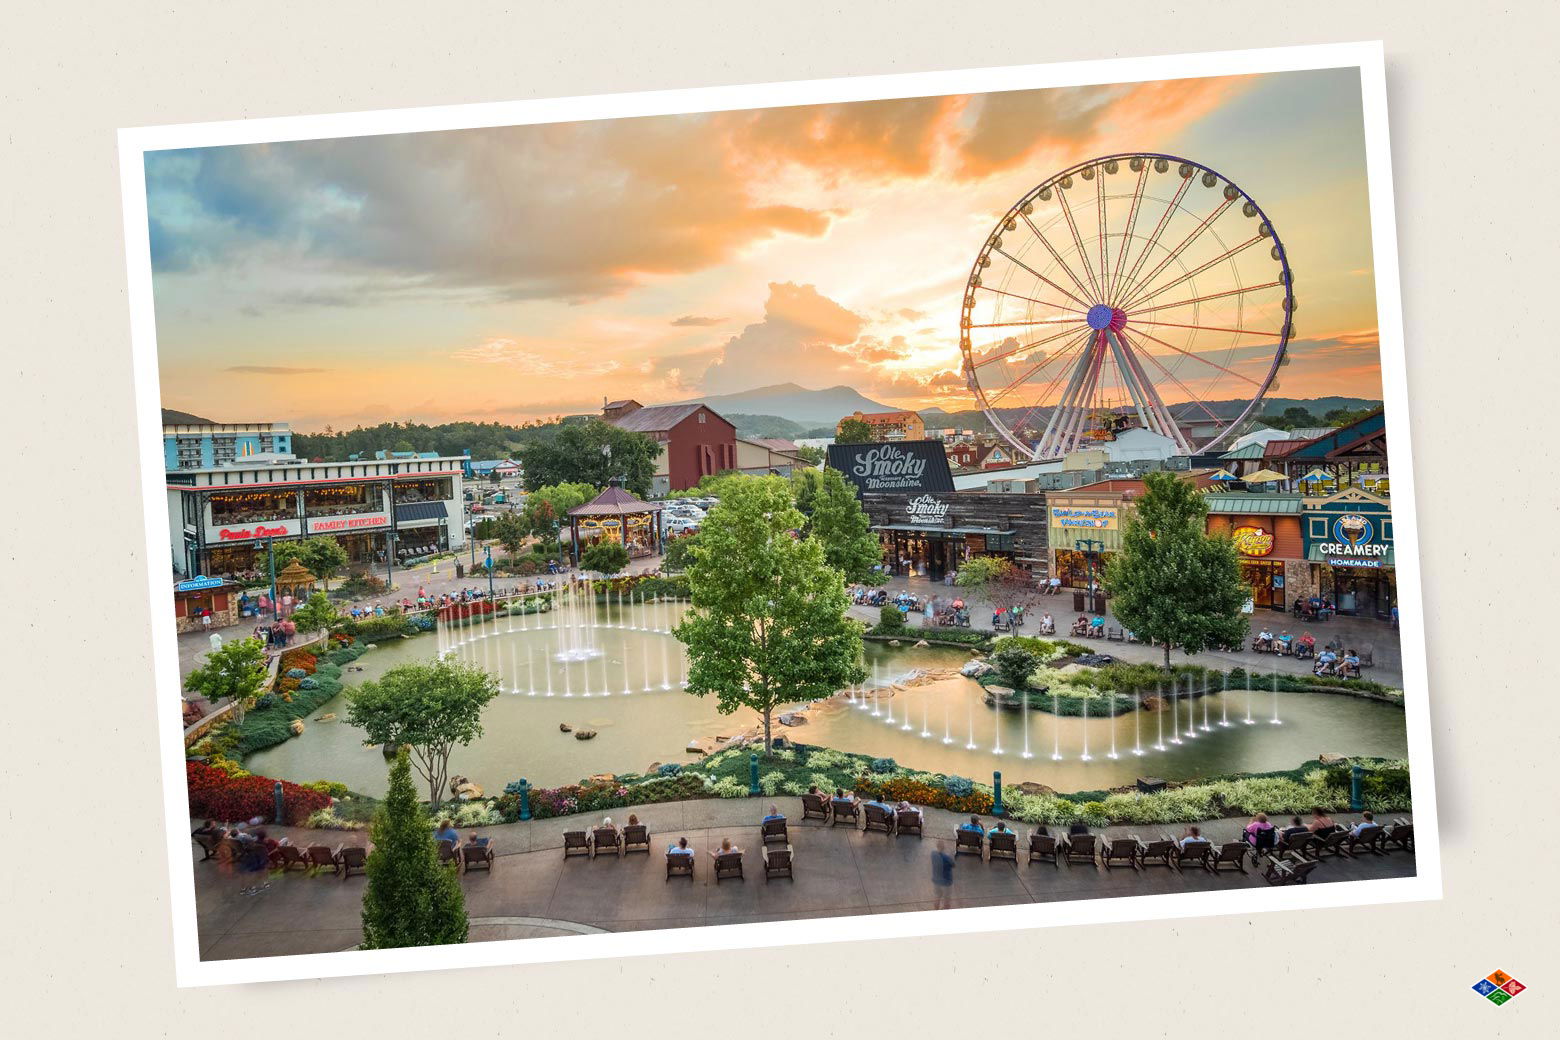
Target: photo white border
{"type": "Point", "coordinates": [1367, 57]}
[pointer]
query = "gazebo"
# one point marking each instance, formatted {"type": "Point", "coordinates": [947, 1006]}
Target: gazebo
{"type": "Point", "coordinates": [295, 581]}
{"type": "Point", "coordinates": [616, 515]}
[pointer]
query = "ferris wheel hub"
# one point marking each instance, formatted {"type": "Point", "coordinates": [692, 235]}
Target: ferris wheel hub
{"type": "Point", "coordinates": [1103, 316]}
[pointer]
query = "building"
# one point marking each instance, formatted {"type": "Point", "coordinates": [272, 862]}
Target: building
{"type": "Point", "coordinates": [1084, 524]}
{"type": "Point", "coordinates": [207, 445]}
{"type": "Point", "coordinates": [616, 515]}
{"type": "Point", "coordinates": [1349, 550]}
{"type": "Point", "coordinates": [696, 441]}
{"type": "Point", "coordinates": [889, 426]}
{"type": "Point", "coordinates": [928, 534]}
{"type": "Point", "coordinates": [1268, 536]}
{"type": "Point", "coordinates": [765, 456]}
{"type": "Point", "coordinates": [221, 518]}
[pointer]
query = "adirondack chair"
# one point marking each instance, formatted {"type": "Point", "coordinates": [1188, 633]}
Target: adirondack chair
{"type": "Point", "coordinates": [1080, 848]}
{"type": "Point", "coordinates": [968, 841]}
{"type": "Point", "coordinates": [1230, 854]}
{"type": "Point", "coordinates": [477, 857]}
{"type": "Point", "coordinates": [728, 865]}
{"type": "Point", "coordinates": [1003, 844]}
{"type": "Point", "coordinates": [350, 858]}
{"type": "Point", "coordinates": [636, 838]}
{"type": "Point", "coordinates": [1042, 846]}
{"type": "Point", "coordinates": [575, 843]}
{"type": "Point", "coordinates": [814, 807]}
{"type": "Point", "coordinates": [1162, 850]}
{"type": "Point", "coordinates": [1292, 869]}
{"type": "Point", "coordinates": [777, 863]}
{"type": "Point", "coordinates": [679, 864]}
{"type": "Point", "coordinates": [1116, 850]}
{"type": "Point", "coordinates": [880, 819]}
{"type": "Point", "coordinates": [908, 821]}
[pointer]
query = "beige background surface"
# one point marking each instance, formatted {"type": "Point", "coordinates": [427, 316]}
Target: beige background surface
{"type": "Point", "coordinates": [1473, 90]}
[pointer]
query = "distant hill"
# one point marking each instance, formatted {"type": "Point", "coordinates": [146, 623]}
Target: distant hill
{"type": "Point", "coordinates": [936, 418]}
{"type": "Point", "coordinates": [174, 417]}
{"type": "Point", "coordinates": [807, 408]}
{"type": "Point", "coordinates": [766, 426]}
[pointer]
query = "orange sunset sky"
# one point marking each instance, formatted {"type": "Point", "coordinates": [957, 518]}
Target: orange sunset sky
{"type": "Point", "coordinates": [522, 272]}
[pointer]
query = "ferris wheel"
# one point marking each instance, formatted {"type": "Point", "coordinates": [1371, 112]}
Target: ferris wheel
{"type": "Point", "coordinates": [1130, 291]}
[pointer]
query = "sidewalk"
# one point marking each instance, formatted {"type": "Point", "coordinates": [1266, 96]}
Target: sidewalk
{"type": "Point", "coordinates": [534, 890]}
{"type": "Point", "coordinates": [1355, 632]}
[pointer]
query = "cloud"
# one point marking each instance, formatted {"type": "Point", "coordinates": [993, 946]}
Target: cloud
{"type": "Point", "coordinates": [800, 337]}
{"type": "Point", "coordinates": [530, 361]}
{"type": "Point", "coordinates": [695, 321]}
{"type": "Point", "coordinates": [274, 370]}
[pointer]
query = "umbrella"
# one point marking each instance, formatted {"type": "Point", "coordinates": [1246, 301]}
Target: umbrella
{"type": "Point", "coordinates": [1318, 476]}
{"type": "Point", "coordinates": [1222, 474]}
{"type": "Point", "coordinates": [1264, 476]}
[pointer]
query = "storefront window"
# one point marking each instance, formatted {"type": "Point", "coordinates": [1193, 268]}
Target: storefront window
{"type": "Point", "coordinates": [1361, 591]}
{"type": "Point", "coordinates": [1266, 580]}
{"type": "Point", "coordinates": [336, 501]}
{"type": "Point", "coordinates": [436, 489]}
{"type": "Point", "coordinates": [1072, 566]}
{"type": "Point", "coordinates": [251, 507]}
{"type": "Point", "coordinates": [225, 561]}
{"type": "Point", "coordinates": [421, 541]}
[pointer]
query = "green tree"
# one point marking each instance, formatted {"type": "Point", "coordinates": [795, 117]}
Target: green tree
{"type": "Point", "coordinates": [890, 618]}
{"type": "Point", "coordinates": [237, 672]}
{"type": "Point", "coordinates": [511, 530]}
{"type": "Point", "coordinates": [767, 624]}
{"type": "Point", "coordinates": [431, 706]}
{"type": "Point", "coordinates": [853, 431]}
{"type": "Point", "coordinates": [410, 898]}
{"type": "Point", "coordinates": [1015, 664]}
{"type": "Point", "coordinates": [545, 505]}
{"type": "Point", "coordinates": [1172, 583]}
{"type": "Point", "coordinates": [592, 452]}
{"type": "Point", "coordinates": [835, 517]}
{"type": "Point", "coordinates": [810, 453]}
{"type": "Point", "coordinates": [317, 613]}
{"type": "Point", "coordinates": [322, 555]}
{"type": "Point", "coordinates": [604, 557]}
{"type": "Point", "coordinates": [982, 570]}
{"type": "Point", "coordinates": [677, 554]}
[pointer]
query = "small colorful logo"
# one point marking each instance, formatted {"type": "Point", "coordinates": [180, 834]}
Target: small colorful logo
{"type": "Point", "coordinates": [1497, 987]}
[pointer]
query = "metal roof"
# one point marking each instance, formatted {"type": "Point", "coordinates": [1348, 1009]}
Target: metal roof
{"type": "Point", "coordinates": [1254, 504]}
{"type": "Point", "coordinates": [658, 417]}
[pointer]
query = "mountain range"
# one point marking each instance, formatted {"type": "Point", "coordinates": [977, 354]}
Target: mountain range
{"type": "Point", "coordinates": [807, 408]}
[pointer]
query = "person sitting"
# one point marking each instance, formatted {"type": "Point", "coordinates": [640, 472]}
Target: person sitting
{"type": "Point", "coordinates": [1078, 827]}
{"type": "Point", "coordinates": [846, 799]}
{"type": "Point", "coordinates": [813, 790]}
{"type": "Point", "coordinates": [447, 832]}
{"type": "Point", "coordinates": [774, 814]}
{"type": "Point", "coordinates": [1189, 835]}
{"type": "Point", "coordinates": [1053, 587]}
{"type": "Point", "coordinates": [1097, 627]}
{"type": "Point", "coordinates": [881, 804]}
{"type": "Point", "coordinates": [1047, 624]}
{"type": "Point", "coordinates": [1367, 819]}
{"type": "Point", "coordinates": [1259, 832]}
{"type": "Point", "coordinates": [1264, 641]}
{"type": "Point", "coordinates": [680, 849]}
{"type": "Point", "coordinates": [1321, 823]}
{"type": "Point", "coordinates": [476, 840]}
{"type": "Point", "coordinates": [906, 808]}
{"type": "Point", "coordinates": [1284, 645]}
{"type": "Point", "coordinates": [726, 847]}
{"type": "Point", "coordinates": [1350, 668]}
{"type": "Point", "coordinates": [1296, 826]}
{"type": "Point", "coordinates": [1000, 828]}
{"type": "Point", "coordinates": [1081, 626]}
{"type": "Point", "coordinates": [633, 820]}
{"type": "Point", "coordinates": [1326, 663]}
{"type": "Point", "coordinates": [208, 827]}
{"type": "Point", "coordinates": [974, 826]}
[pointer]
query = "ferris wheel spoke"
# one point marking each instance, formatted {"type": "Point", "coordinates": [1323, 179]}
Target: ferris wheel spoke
{"type": "Point", "coordinates": [1203, 299]}
{"type": "Point", "coordinates": [1211, 328]}
{"type": "Point", "coordinates": [1024, 348]}
{"type": "Point", "coordinates": [1159, 229]}
{"type": "Point", "coordinates": [1099, 207]}
{"type": "Point", "coordinates": [1076, 299]}
{"type": "Point", "coordinates": [1037, 366]}
{"type": "Point", "coordinates": [1028, 324]}
{"type": "Point", "coordinates": [1197, 357]}
{"type": "Point", "coordinates": [1061, 371]}
{"type": "Point", "coordinates": [1185, 243]}
{"type": "Point", "coordinates": [1030, 299]}
{"type": "Point", "coordinates": [1061, 415]}
{"type": "Point", "coordinates": [1136, 353]}
{"type": "Point", "coordinates": [1083, 254]}
{"type": "Point", "coordinates": [1049, 248]}
{"type": "Point", "coordinates": [1151, 407]}
{"type": "Point", "coordinates": [1139, 298]}
{"type": "Point", "coordinates": [1132, 215]}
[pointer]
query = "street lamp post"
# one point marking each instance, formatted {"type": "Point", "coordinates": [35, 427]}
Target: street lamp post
{"type": "Point", "coordinates": [489, 564]}
{"type": "Point", "coordinates": [1089, 546]}
{"type": "Point", "coordinates": [270, 556]}
{"type": "Point", "coordinates": [390, 540]}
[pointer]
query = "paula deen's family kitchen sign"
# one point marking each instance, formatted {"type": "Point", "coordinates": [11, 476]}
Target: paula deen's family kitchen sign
{"type": "Point", "coordinates": [902, 467]}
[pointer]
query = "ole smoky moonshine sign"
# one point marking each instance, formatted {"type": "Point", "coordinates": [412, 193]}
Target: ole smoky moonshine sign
{"type": "Point", "coordinates": [900, 468]}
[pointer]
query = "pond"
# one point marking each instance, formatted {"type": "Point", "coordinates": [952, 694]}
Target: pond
{"type": "Point", "coordinates": [617, 670]}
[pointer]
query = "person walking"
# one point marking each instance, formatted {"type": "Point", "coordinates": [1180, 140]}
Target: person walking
{"type": "Point", "coordinates": [942, 877]}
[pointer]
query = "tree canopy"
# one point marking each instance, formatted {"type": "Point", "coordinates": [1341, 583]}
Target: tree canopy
{"type": "Point", "coordinates": [604, 557]}
{"type": "Point", "coordinates": [236, 671]}
{"type": "Point", "coordinates": [410, 898]}
{"type": "Point", "coordinates": [482, 440]}
{"type": "Point", "coordinates": [767, 624]}
{"type": "Point", "coordinates": [316, 613]}
{"type": "Point", "coordinates": [322, 555]}
{"type": "Point", "coordinates": [431, 706]}
{"type": "Point", "coordinates": [592, 452]}
{"type": "Point", "coordinates": [1172, 583]}
{"type": "Point", "coordinates": [853, 431]}
{"type": "Point", "coordinates": [834, 516]}
{"type": "Point", "coordinates": [544, 505]}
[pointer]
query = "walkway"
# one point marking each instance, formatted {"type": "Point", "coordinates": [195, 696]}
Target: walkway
{"type": "Point", "coordinates": [533, 890]}
{"type": "Point", "coordinates": [1356, 632]}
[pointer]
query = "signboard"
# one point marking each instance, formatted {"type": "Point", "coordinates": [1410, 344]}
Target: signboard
{"type": "Point", "coordinates": [200, 581]}
{"type": "Point", "coordinates": [251, 532]}
{"type": "Point", "coordinates": [927, 510]}
{"type": "Point", "coordinates": [903, 467]}
{"type": "Point", "coordinates": [1355, 543]}
{"type": "Point", "coordinates": [1252, 541]}
{"type": "Point", "coordinates": [1095, 518]}
{"type": "Point", "coordinates": [347, 524]}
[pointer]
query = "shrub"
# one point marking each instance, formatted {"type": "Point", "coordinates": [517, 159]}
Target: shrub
{"type": "Point", "coordinates": [215, 795]}
{"type": "Point", "coordinates": [308, 682]}
{"type": "Point", "coordinates": [375, 629]}
{"type": "Point", "coordinates": [1014, 664]}
{"type": "Point", "coordinates": [669, 769]}
{"type": "Point", "coordinates": [476, 814]}
{"type": "Point", "coordinates": [327, 787]}
{"type": "Point", "coordinates": [296, 673]}
{"type": "Point", "coordinates": [770, 783]}
{"type": "Point", "coordinates": [326, 819]}
{"type": "Point", "coordinates": [890, 619]}
{"type": "Point", "coordinates": [883, 765]}
{"type": "Point", "coordinates": [959, 786]}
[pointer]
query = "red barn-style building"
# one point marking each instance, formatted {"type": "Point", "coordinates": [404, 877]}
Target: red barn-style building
{"type": "Point", "coordinates": [696, 441]}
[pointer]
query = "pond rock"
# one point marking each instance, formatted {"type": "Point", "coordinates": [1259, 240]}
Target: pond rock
{"type": "Point", "coordinates": [922, 642]}
{"type": "Point", "coordinates": [1327, 758]}
{"type": "Point", "coordinates": [296, 726]}
{"type": "Point", "coordinates": [584, 734]}
{"type": "Point", "coordinates": [564, 727]}
{"type": "Point", "coordinates": [975, 669]}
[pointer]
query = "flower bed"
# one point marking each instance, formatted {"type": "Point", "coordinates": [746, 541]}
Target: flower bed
{"type": "Point", "coordinates": [216, 795]}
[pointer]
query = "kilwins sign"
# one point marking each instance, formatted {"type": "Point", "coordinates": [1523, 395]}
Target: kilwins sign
{"type": "Point", "coordinates": [913, 467]}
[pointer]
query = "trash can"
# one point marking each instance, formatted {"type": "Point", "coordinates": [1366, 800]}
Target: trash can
{"type": "Point", "coordinates": [1078, 602]}
{"type": "Point", "coordinates": [460, 569]}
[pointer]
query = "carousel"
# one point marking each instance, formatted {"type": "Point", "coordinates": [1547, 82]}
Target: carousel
{"type": "Point", "coordinates": [615, 515]}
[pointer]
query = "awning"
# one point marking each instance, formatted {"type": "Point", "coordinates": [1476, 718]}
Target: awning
{"type": "Point", "coordinates": [1263, 476]}
{"type": "Point", "coordinates": [411, 511]}
{"type": "Point", "coordinates": [1314, 554]}
{"type": "Point", "coordinates": [940, 530]}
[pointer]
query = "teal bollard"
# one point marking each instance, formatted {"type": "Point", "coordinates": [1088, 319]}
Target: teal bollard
{"type": "Point", "coordinates": [281, 809]}
{"type": "Point", "coordinates": [996, 793]}
{"type": "Point", "coordinates": [525, 799]}
{"type": "Point", "coordinates": [753, 788]}
{"type": "Point", "coordinates": [1356, 800]}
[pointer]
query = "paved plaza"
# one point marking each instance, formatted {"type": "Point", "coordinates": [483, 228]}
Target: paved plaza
{"type": "Point", "coordinates": [533, 890]}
